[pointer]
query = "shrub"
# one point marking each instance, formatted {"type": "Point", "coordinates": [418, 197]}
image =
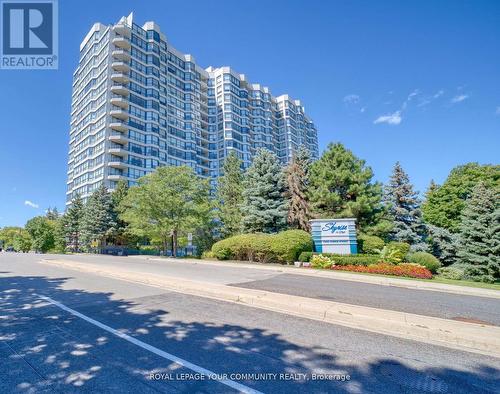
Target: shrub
{"type": "Point", "coordinates": [370, 243]}
{"type": "Point", "coordinates": [283, 247]}
{"type": "Point", "coordinates": [451, 272]}
{"type": "Point", "coordinates": [394, 252]}
{"type": "Point", "coordinates": [288, 245]}
{"type": "Point", "coordinates": [406, 270]}
{"type": "Point", "coordinates": [321, 261]}
{"type": "Point", "coordinates": [208, 255]}
{"type": "Point", "coordinates": [425, 259]}
{"type": "Point", "coordinates": [305, 257]}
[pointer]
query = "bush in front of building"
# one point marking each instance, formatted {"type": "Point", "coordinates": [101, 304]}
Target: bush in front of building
{"type": "Point", "coordinates": [321, 261]}
{"type": "Point", "coordinates": [370, 244]}
{"type": "Point", "coordinates": [305, 257]}
{"type": "Point", "coordinates": [283, 247]}
{"type": "Point", "coordinates": [425, 259]}
{"type": "Point", "coordinates": [394, 252]}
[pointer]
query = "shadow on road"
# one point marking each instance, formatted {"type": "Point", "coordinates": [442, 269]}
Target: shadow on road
{"type": "Point", "coordinates": [43, 348]}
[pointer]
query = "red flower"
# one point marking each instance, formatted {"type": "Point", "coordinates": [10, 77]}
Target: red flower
{"type": "Point", "coordinates": [407, 270]}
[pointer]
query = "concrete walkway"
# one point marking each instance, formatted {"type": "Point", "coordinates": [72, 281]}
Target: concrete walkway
{"type": "Point", "coordinates": [472, 337]}
{"type": "Point", "coordinates": [354, 277]}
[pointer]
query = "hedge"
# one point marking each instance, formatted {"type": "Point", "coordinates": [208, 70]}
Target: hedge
{"type": "Point", "coordinates": [284, 247]}
{"type": "Point", "coordinates": [424, 259]}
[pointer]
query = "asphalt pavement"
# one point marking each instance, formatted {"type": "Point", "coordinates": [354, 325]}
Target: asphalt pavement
{"type": "Point", "coordinates": [68, 331]}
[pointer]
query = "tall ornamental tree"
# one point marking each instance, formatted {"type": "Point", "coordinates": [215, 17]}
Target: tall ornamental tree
{"type": "Point", "coordinates": [477, 252]}
{"type": "Point", "coordinates": [264, 207]}
{"type": "Point", "coordinates": [230, 196]}
{"type": "Point", "coordinates": [403, 208]}
{"type": "Point", "coordinates": [167, 203]}
{"type": "Point", "coordinates": [340, 185]}
{"type": "Point", "coordinates": [443, 206]}
{"type": "Point", "coordinates": [98, 221]}
{"type": "Point", "coordinates": [297, 181]}
{"type": "Point", "coordinates": [443, 243]}
{"type": "Point", "coordinates": [72, 223]}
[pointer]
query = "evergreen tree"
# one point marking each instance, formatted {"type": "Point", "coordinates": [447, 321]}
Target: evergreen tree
{"type": "Point", "coordinates": [444, 244]}
{"type": "Point", "coordinates": [230, 196]}
{"type": "Point", "coordinates": [264, 206]}
{"type": "Point", "coordinates": [340, 185]}
{"type": "Point", "coordinates": [52, 214]}
{"type": "Point", "coordinates": [72, 223]}
{"type": "Point", "coordinates": [98, 221]}
{"type": "Point", "coordinates": [476, 250]}
{"type": "Point", "coordinates": [494, 237]}
{"type": "Point", "coordinates": [297, 181]}
{"type": "Point", "coordinates": [403, 208]}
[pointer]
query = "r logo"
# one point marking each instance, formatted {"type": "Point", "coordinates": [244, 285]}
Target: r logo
{"type": "Point", "coordinates": [27, 28]}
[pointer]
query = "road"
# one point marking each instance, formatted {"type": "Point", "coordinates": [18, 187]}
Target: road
{"type": "Point", "coordinates": [97, 334]}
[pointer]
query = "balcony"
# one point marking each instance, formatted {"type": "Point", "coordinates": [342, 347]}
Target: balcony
{"type": "Point", "coordinates": [115, 177]}
{"type": "Point", "coordinates": [116, 162]}
{"type": "Point", "coordinates": [121, 54]}
{"type": "Point", "coordinates": [122, 30]}
{"type": "Point", "coordinates": [119, 89]}
{"type": "Point", "coordinates": [120, 66]}
{"type": "Point", "coordinates": [120, 77]}
{"type": "Point", "coordinates": [118, 138]}
{"type": "Point", "coordinates": [118, 151]}
{"type": "Point", "coordinates": [119, 101]}
{"type": "Point", "coordinates": [118, 125]}
{"type": "Point", "coordinates": [121, 42]}
{"type": "Point", "coordinates": [118, 113]}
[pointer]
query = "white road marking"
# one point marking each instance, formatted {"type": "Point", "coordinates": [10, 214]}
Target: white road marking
{"type": "Point", "coordinates": [196, 368]}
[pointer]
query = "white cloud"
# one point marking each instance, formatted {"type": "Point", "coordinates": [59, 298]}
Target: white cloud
{"type": "Point", "coordinates": [392, 119]}
{"type": "Point", "coordinates": [429, 99]}
{"type": "Point", "coordinates": [498, 110]}
{"type": "Point", "coordinates": [30, 204]}
{"type": "Point", "coordinates": [459, 98]}
{"type": "Point", "coordinates": [362, 109]}
{"type": "Point", "coordinates": [351, 99]}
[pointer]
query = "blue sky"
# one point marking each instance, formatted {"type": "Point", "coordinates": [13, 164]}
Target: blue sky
{"type": "Point", "coordinates": [414, 81]}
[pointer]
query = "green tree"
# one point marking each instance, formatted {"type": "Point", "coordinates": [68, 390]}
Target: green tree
{"type": "Point", "coordinates": [297, 182]}
{"type": "Point", "coordinates": [98, 220]}
{"type": "Point", "coordinates": [72, 223]}
{"type": "Point", "coordinates": [476, 248]}
{"type": "Point", "coordinates": [444, 205]}
{"type": "Point", "coordinates": [444, 244]}
{"type": "Point", "coordinates": [119, 236]}
{"type": "Point", "coordinates": [341, 186]}
{"type": "Point", "coordinates": [169, 202]}
{"type": "Point", "coordinates": [403, 208]}
{"type": "Point", "coordinates": [7, 236]}
{"type": "Point", "coordinates": [230, 196]}
{"type": "Point", "coordinates": [264, 206]}
{"type": "Point", "coordinates": [22, 241]}
{"type": "Point", "coordinates": [41, 231]}
{"type": "Point", "coordinates": [52, 213]}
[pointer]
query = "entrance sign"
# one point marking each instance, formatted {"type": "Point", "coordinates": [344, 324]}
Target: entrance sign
{"type": "Point", "coordinates": [334, 236]}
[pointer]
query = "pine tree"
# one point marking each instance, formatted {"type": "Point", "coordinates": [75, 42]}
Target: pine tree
{"type": "Point", "coordinates": [477, 251]}
{"type": "Point", "coordinates": [403, 207]}
{"type": "Point", "coordinates": [494, 237]}
{"type": "Point", "coordinates": [98, 221]}
{"type": "Point", "coordinates": [72, 223]}
{"type": "Point", "coordinates": [264, 207]}
{"type": "Point", "coordinates": [297, 180]}
{"type": "Point", "coordinates": [230, 196]}
{"type": "Point", "coordinates": [444, 244]}
{"type": "Point", "coordinates": [340, 185]}
{"type": "Point", "coordinates": [52, 214]}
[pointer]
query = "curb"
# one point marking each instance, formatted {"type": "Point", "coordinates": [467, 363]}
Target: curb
{"type": "Point", "coordinates": [368, 279]}
{"type": "Point", "coordinates": [471, 337]}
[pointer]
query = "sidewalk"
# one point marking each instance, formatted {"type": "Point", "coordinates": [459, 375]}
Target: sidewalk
{"type": "Point", "coordinates": [472, 337]}
{"type": "Point", "coordinates": [371, 279]}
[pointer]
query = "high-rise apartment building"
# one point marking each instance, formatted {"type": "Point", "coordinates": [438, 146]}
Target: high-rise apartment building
{"type": "Point", "coordinates": [138, 103]}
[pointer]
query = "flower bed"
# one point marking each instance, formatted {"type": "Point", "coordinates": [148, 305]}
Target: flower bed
{"type": "Point", "coordinates": [408, 270]}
